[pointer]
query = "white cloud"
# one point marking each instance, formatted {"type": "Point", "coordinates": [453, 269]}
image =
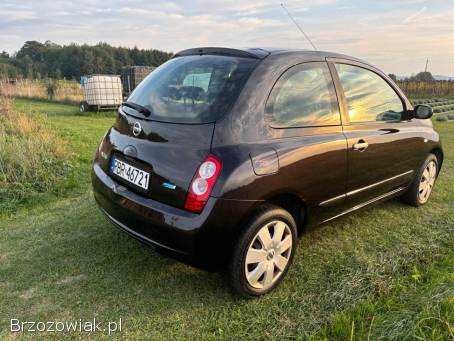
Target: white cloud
{"type": "Point", "coordinates": [13, 15]}
{"type": "Point", "coordinates": [395, 35]}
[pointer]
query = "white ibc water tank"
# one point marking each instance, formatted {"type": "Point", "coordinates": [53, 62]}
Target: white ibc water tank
{"type": "Point", "coordinates": [102, 90]}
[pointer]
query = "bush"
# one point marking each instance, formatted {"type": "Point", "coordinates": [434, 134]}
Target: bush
{"type": "Point", "coordinates": [51, 88]}
{"type": "Point", "coordinates": [32, 158]}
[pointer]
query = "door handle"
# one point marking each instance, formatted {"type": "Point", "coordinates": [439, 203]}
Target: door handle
{"type": "Point", "coordinates": [360, 146]}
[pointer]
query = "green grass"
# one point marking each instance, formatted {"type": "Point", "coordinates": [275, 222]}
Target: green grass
{"type": "Point", "coordinates": [82, 133]}
{"type": "Point", "coordinates": [383, 273]}
{"type": "Point", "coordinates": [32, 157]}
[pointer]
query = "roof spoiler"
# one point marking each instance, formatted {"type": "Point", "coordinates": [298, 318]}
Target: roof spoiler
{"type": "Point", "coordinates": [223, 51]}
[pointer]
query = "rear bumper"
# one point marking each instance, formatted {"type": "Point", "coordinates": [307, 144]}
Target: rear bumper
{"type": "Point", "coordinates": [203, 240]}
{"type": "Point", "coordinates": [141, 237]}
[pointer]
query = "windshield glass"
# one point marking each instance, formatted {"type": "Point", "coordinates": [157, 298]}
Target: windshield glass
{"type": "Point", "coordinates": [193, 89]}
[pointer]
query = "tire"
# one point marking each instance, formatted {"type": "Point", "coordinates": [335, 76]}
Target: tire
{"type": "Point", "coordinates": [245, 279]}
{"type": "Point", "coordinates": [426, 174]}
{"type": "Point", "coordinates": [84, 107]}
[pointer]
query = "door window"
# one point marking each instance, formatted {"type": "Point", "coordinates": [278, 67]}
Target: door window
{"type": "Point", "coordinates": [303, 96]}
{"type": "Point", "coordinates": [369, 96]}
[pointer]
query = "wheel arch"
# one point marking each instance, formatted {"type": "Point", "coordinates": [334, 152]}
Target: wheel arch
{"type": "Point", "coordinates": [438, 152]}
{"type": "Point", "coordinates": [294, 204]}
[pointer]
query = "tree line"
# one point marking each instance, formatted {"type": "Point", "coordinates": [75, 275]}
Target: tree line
{"type": "Point", "coordinates": [37, 60]}
{"type": "Point", "coordinates": [424, 76]}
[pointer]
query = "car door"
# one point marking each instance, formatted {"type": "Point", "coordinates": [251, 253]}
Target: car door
{"type": "Point", "coordinates": [303, 115]}
{"type": "Point", "coordinates": [381, 142]}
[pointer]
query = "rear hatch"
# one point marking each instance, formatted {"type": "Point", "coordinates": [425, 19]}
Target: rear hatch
{"type": "Point", "coordinates": [166, 126]}
{"type": "Point", "coordinates": [170, 153]}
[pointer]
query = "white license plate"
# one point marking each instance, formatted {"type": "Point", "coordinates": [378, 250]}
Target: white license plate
{"type": "Point", "coordinates": [130, 173]}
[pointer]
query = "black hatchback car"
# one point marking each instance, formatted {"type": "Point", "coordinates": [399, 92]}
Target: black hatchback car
{"type": "Point", "coordinates": [221, 157]}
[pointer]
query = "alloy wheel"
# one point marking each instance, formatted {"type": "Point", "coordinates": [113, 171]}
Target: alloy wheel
{"type": "Point", "coordinates": [427, 181]}
{"type": "Point", "coordinates": [268, 254]}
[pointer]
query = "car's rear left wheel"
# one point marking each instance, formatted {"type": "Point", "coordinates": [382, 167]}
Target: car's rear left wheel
{"type": "Point", "coordinates": [263, 253]}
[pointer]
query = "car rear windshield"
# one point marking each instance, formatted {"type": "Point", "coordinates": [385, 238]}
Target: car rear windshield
{"type": "Point", "coordinates": [193, 89]}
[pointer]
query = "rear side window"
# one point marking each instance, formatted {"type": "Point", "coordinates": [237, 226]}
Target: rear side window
{"type": "Point", "coordinates": [193, 89]}
{"type": "Point", "coordinates": [304, 96]}
{"type": "Point", "coordinates": [369, 97]}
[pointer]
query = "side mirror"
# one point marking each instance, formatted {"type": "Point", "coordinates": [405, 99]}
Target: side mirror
{"type": "Point", "coordinates": [422, 112]}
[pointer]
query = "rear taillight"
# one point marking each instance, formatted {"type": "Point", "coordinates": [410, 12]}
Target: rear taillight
{"type": "Point", "coordinates": [98, 150]}
{"type": "Point", "coordinates": [202, 184]}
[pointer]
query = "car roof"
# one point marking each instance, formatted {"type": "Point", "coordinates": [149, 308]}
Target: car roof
{"type": "Point", "coordinates": [262, 52]}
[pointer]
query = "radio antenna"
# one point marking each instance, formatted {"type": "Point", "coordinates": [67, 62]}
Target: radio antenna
{"type": "Point", "coordinates": [299, 27]}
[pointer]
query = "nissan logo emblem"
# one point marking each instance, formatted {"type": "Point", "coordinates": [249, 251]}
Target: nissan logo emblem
{"type": "Point", "coordinates": [136, 129]}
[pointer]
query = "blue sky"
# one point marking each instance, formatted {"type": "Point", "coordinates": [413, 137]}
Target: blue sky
{"type": "Point", "coordinates": [397, 36]}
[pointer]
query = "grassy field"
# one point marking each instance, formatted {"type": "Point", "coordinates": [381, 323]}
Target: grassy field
{"type": "Point", "coordinates": [33, 158]}
{"type": "Point", "coordinates": [82, 132]}
{"type": "Point", "coordinates": [68, 91]}
{"type": "Point", "coordinates": [384, 273]}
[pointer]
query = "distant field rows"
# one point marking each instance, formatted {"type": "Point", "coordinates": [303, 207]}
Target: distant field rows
{"type": "Point", "coordinates": [422, 89]}
{"type": "Point", "coordinates": [439, 105]}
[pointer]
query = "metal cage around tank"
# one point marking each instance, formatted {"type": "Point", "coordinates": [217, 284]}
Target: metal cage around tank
{"type": "Point", "coordinates": [131, 76]}
{"type": "Point", "coordinates": [101, 92]}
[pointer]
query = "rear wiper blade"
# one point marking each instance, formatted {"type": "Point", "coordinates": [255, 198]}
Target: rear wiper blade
{"type": "Point", "coordinates": [137, 107]}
